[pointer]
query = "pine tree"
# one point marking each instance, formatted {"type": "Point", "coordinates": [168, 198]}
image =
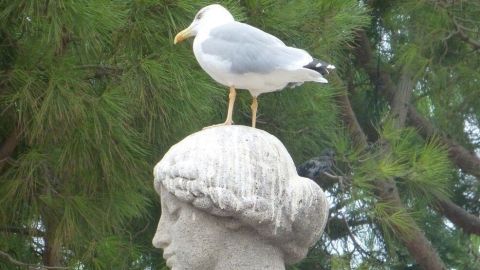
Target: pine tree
{"type": "Point", "coordinates": [93, 93]}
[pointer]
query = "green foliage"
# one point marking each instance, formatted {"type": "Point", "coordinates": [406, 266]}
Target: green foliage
{"type": "Point", "coordinates": [93, 87]}
{"type": "Point", "coordinates": [393, 219]}
{"type": "Point", "coordinates": [99, 93]}
{"type": "Point", "coordinates": [431, 171]}
{"type": "Point", "coordinates": [340, 263]}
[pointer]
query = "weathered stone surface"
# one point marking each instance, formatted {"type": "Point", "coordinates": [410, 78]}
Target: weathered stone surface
{"type": "Point", "coordinates": [243, 186]}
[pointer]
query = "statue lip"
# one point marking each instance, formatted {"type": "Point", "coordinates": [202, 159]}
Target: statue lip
{"type": "Point", "coordinates": [169, 261]}
{"type": "Point", "coordinates": [167, 255]}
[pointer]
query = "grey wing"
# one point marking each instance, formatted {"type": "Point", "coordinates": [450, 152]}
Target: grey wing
{"type": "Point", "coordinates": [244, 33]}
{"type": "Point", "coordinates": [249, 49]}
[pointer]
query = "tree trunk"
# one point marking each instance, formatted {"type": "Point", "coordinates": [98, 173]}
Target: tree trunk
{"type": "Point", "coordinates": [51, 253]}
{"type": "Point", "coordinates": [8, 146]}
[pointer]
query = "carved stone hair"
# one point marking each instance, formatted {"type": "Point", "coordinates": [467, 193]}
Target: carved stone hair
{"type": "Point", "coordinates": [248, 175]}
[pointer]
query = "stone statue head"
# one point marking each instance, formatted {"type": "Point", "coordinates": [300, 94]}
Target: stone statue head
{"type": "Point", "coordinates": [235, 188]}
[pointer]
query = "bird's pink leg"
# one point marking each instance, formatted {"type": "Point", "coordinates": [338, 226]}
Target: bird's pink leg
{"type": "Point", "coordinates": [254, 111]}
{"type": "Point", "coordinates": [231, 102]}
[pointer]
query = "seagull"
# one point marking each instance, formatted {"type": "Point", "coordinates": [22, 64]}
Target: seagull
{"type": "Point", "coordinates": [240, 56]}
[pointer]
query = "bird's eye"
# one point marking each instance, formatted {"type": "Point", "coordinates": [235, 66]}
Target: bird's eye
{"type": "Point", "coordinates": [199, 16]}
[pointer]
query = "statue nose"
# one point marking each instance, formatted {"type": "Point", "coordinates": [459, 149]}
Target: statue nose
{"type": "Point", "coordinates": [160, 239]}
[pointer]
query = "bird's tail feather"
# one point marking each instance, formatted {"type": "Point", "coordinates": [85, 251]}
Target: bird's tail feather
{"type": "Point", "coordinates": [321, 79]}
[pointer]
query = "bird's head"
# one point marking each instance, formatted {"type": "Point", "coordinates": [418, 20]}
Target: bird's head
{"type": "Point", "coordinates": [207, 18]}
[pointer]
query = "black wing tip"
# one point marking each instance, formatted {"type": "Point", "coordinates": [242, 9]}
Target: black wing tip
{"type": "Point", "coordinates": [320, 66]}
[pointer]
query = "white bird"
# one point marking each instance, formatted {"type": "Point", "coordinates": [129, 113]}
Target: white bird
{"type": "Point", "coordinates": [241, 56]}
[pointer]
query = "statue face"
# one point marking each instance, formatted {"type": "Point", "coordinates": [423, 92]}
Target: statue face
{"type": "Point", "coordinates": [190, 238]}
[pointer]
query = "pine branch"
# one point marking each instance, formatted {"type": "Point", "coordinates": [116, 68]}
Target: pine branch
{"type": "Point", "coordinates": [357, 245]}
{"type": "Point", "coordinates": [417, 244]}
{"type": "Point", "coordinates": [458, 216]}
{"type": "Point", "coordinates": [350, 120]}
{"type": "Point", "coordinates": [12, 260]}
{"type": "Point", "coordinates": [459, 28]}
{"type": "Point", "coordinates": [103, 70]}
{"type": "Point", "coordinates": [64, 41]}
{"type": "Point", "coordinates": [338, 227]}
{"type": "Point", "coordinates": [414, 240]}
{"type": "Point", "coordinates": [459, 155]}
{"type": "Point", "coordinates": [475, 44]}
{"type": "Point", "coordinates": [23, 231]}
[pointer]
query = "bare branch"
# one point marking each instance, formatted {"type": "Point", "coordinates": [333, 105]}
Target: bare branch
{"type": "Point", "coordinates": [358, 246]}
{"type": "Point", "coordinates": [350, 120]}
{"type": "Point", "coordinates": [459, 28]}
{"type": "Point", "coordinates": [337, 226]}
{"type": "Point", "coordinates": [475, 44]}
{"type": "Point", "coordinates": [12, 260]}
{"type": "Point", "coordinates": [458, 216]}
{"type": "Point", "coordinates": [24, 231]}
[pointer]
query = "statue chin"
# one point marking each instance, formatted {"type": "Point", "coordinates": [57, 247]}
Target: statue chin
{"type": "Point", "coordinates": [231, 199]}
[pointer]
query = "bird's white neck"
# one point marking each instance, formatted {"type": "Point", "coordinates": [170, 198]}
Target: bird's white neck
{"type": "Point", "coordinates": [207, 26]}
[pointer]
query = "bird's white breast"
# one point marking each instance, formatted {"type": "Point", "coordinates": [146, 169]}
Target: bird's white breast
{"type": "Point", "coordinates": [213, 65]}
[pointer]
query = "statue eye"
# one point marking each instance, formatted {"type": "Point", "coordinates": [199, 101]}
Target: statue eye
{"type": "Point", "coordinates": [171, 211]}
{"type": "Point", "coordinates": [175, 213]}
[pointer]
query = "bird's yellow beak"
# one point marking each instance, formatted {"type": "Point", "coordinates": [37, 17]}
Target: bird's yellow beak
{"type": "Point", "coordinates": [184, 34]}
